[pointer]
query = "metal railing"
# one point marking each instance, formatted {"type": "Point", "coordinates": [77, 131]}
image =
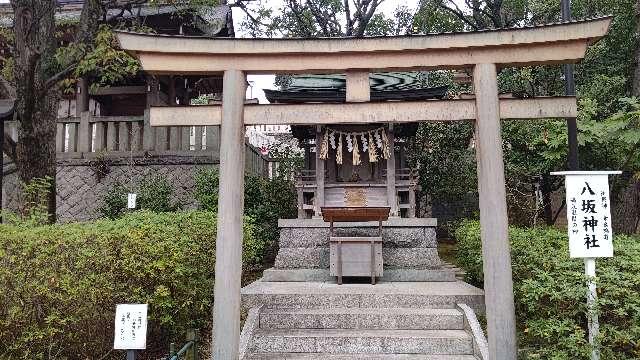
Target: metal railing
{"type": "Point", "coordinates": [189, 350]}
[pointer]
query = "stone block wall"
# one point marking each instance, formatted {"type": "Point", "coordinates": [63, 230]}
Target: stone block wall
{"type": "Point", "coordinates": [11, 190]}
{"type": "Point", "coordinates": [80, 190]}
{"type": "Point", "coordinates": [407, 243]}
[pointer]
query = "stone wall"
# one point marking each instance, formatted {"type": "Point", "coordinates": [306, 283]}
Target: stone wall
{"type": "Point", "coordinates": [80, 189]}
{"type": "Point", "coordinates": [11, 190]}
{"type": "Point", "coordinates": [407, 243]}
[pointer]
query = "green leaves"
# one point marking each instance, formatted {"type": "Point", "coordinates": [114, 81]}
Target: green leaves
{"type": "Point", "coordinates": [550, 289]}
{"type": "Point", "coordinates": [106, 62]}
{"type": "Point", "coordinates": [60, 283]}
{"type": "Point", "coordinates": [625, 124]}
{"type": "Point", "coordinates": [155, 193]}
{"type": "Point", "coordinates": [206, 189]}
{"type": "Point", "coordinates": [265, 201]}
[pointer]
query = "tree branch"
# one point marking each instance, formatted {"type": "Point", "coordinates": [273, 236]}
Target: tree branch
{"type": "Point", "coordinates": [297, 12]}
{"type": "Point", "coordinates": [493, 13]}
{"type": "Point", "coordinates": [320, 18]}
{"type": "Point", "coordinates": [368, 9]}
{"type": "Point", "coordinates": [52, 81]}
{"type": "Point", "coordinates": [458, 13]}
{"type": "Point", "coordinates": [243, 7]}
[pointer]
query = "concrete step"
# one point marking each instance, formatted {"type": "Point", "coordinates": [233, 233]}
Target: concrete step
{"type": "Point", "coordinates": [317, 356]}
{"type": "Point", "coordinates": [362, 318]}
{"type": "Point", "coordinates": [403, 275]}
{"type": "Point", "coordinates": [429, 342]}
{"type": "Point", "coordinates": [416, 295]}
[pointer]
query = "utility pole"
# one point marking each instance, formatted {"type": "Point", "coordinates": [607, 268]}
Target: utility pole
{"type": "Point", "coordinates": [570, 90]}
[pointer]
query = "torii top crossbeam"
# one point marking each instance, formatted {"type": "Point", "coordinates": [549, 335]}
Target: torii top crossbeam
{"type": "Point", "coordinates": [483, 52]}
{"type": "Point", "coordinates": [550, 44]}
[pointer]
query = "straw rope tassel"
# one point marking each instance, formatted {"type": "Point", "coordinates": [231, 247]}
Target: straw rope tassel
{"type": "Point", "coordinates": [373, 156]}
{"type": "Point", "coordinates": [339, 150]}
{"type": "Point", "coordinates": [324, 148]}
{"type": "Point", "coordinates": [356, 152]}
{"type": "Point", "coordinates": [386, 152]}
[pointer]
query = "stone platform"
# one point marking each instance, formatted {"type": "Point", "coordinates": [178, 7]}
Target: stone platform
{"type": "Point", "coordinates": [409, 249]}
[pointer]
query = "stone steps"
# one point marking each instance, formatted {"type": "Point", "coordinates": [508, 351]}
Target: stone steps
{"type": "Point", "coordinates": [319, 356]}
{"type": "Point", "coordinates": [387, 321]}
{"type": "Point", "coordinates": [359, 341]}
{"type": "Point", "coordinates": [326, 295]}
{"type": "Point", "coordinates": [363, 318]}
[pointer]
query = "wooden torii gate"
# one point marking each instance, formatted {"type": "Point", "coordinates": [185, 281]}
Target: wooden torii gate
{"type": "Point", "coordinates": [484, 52]}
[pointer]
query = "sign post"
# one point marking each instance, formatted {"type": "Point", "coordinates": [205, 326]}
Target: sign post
{"type": "Point", "coordinates": [590, 235]}
{"type": "Point", "coordinates": [130, 328]}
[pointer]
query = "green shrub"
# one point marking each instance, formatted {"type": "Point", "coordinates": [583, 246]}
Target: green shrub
{"type": "Point", "coordinates": [34, 207]}
{"type": "Point", "coordinates": [155, 194]}
{"type": "Point", "coordinates": [114, 202]}
{"type": "Point", "coordinates": [550, 293]}
{"type": "Point", "coordinates": [265, 201]}
{"type": "Point", "coordinates": [206, 189]}
{"type": "Point", "coordinates": [60, 283]}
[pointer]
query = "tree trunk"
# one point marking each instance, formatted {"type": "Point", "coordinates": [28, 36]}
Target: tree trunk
{"type": "Point", "coordinates": [547, 209]}
{"type": "Point", "coordinates": [626, 210]}
{"type": "Point", "coordinates": [36, 105]}
{"type": "Point", "coordinates": [496, 13]}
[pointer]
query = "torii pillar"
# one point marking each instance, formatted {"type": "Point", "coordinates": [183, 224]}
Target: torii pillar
{"type": "Point", "coordinates": [226, 307]}
{"type": "Point", "coordinates": [494, 227]}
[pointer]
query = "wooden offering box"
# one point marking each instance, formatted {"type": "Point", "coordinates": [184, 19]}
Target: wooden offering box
{"type": "Point", "coordinates": [355, 255]}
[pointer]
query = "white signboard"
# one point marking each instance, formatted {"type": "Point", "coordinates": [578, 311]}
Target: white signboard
{"type": "Point", "coordinates": [131, 201]}
{"type": "Point", "coordinates": [588, 214]}
{"type": "Point", "coordinates": [131, 327]}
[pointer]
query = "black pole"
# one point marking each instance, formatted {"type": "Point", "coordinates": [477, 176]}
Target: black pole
{"type": "Point", "coordinates": [570, 90]}
{"type": "Point", "coordinates": [131, 355]}
{"type": "Point", "coordinates": [1, 164]}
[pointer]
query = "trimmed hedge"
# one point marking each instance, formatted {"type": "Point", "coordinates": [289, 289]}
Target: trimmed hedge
{"type": "Point", "coordinates": [550, 293]}
{"type": "Point", "coordinates": [60, 283]}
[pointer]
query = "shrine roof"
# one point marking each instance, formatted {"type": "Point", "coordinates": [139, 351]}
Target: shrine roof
{"type": "Point", "coordinates": [389, 86]}
{"type": "Point", "coordinates": [210, 21]}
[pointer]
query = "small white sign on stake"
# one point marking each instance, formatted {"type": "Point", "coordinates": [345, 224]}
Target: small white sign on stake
{"type": "Point", "coordinates": [131, 201]}
{"type": "Point", "coordinates": [588, 214]}
{"type": "Point", "coordinates": [131, 327]}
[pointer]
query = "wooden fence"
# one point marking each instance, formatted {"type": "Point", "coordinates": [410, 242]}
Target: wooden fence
{"type": "Point", "coordinates": [88, 136]}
